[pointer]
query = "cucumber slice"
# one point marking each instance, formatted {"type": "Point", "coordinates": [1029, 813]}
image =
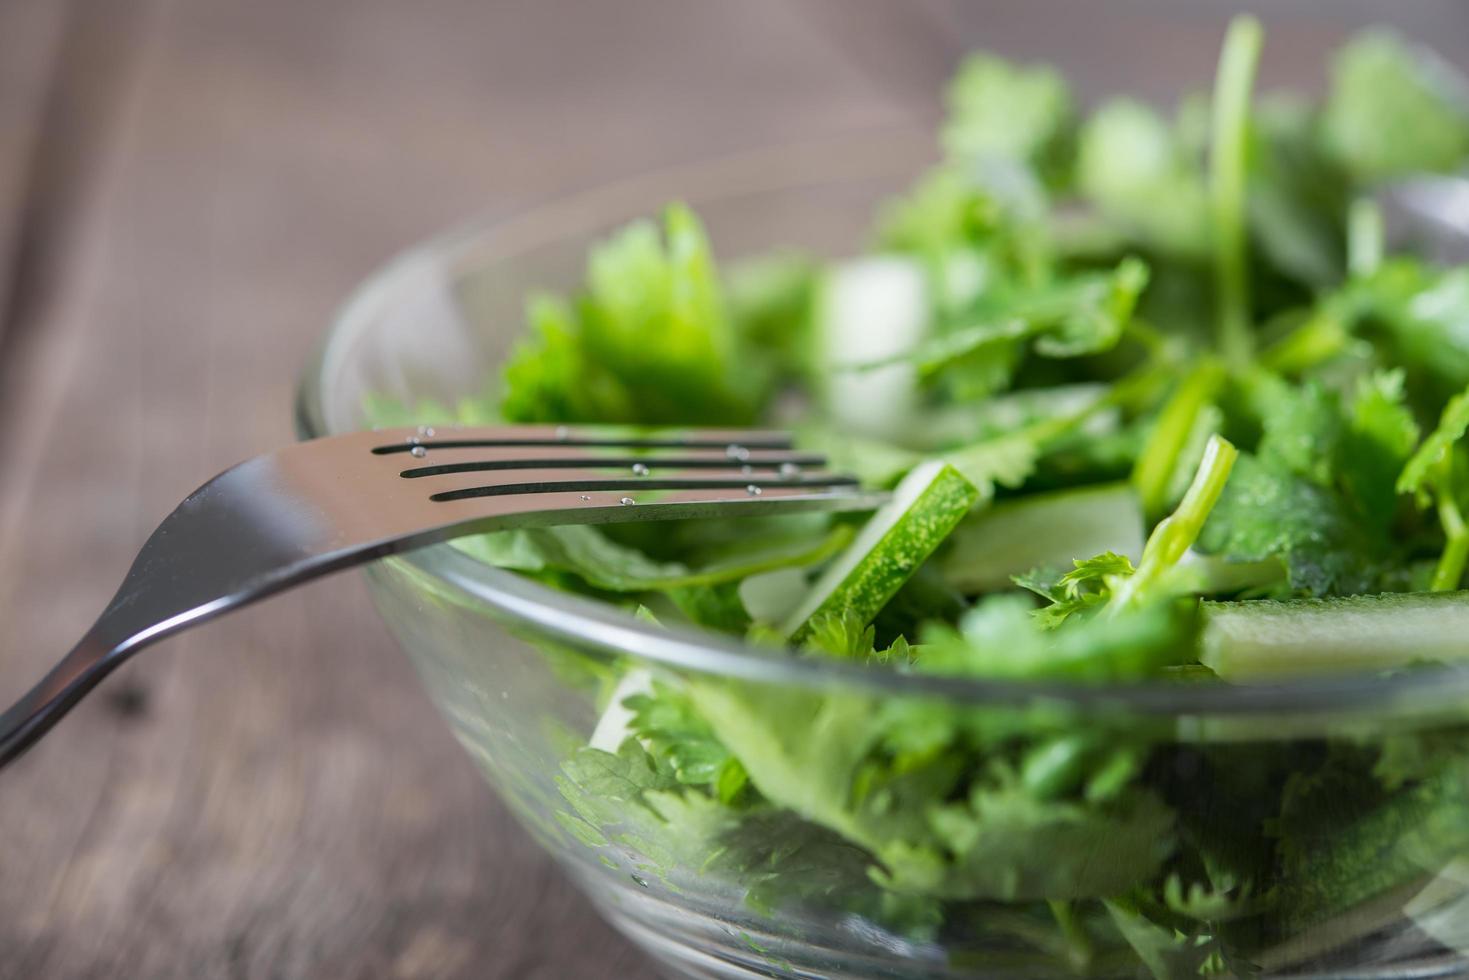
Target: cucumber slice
{"type": "Point", "coordinates": [1215, 575]}
{"type": "Point", "coordinates": [612, 728]}
{"type": "Point", "coordinates": [871, 309]}
{"type": "Point", "coordinates": [927, 505]}
{"type": "Point", "coordinates": [771, 597]}
{"type": "Point", "coordinates": [1441, 909]}
{"type": "Point", "coordinates": [1264, 640]}
{"type": "Point", "coordinates": [1044, 529]}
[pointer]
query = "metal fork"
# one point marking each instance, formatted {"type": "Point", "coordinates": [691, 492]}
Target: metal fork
{"type": "Point", "coordinates": [312, 508]}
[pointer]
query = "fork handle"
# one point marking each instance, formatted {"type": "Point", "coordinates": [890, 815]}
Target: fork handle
{"type": "Point", "coordinates": [275, 521]}
{"type": "Point", "coordinates": [63, 686]}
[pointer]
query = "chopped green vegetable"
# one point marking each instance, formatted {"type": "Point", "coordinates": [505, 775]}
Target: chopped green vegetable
{"type": "Point", "coordinates": [650, 341]}
{"type": "Point", "coordinates": [926, 506]}
{"type": "Point", "coordinates": [1149, 387]}
{"type": "Point", "coordinates": [1042, 530]}
{"type": "Point", "coordinates": [872, 310]}
{"type": "Point", "coordinates": [1269, 512]}
{"type": "Point", "coordinates": [1430, 474]}
{"type": "Point", "coordinates": [1188, 413]}
{"type": "Point", "coordinates": [1131, 164]}
{"type": "Point", "coordinates": [1394, 110]}
{"type": "Point", "coordinates": [1267, 639]}
{"type": "Point", "coordinates": [1004, 112]}
{"type": "Point", "coordinates": [1175, 534]}
{"type": "Point", "coordinates": [1233, 88]}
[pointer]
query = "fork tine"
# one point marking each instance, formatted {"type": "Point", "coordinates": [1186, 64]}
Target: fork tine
{"type": "Point", "coordinates": [539, 460]}
{"type": "Point", "coordinates": [592, 506]}
{"type": "Point", "coordinates": [435, 461]}
{"type": "Point", "coordinates": [495, 483]}
{"type": "Point", "coordinates": [626, 437]}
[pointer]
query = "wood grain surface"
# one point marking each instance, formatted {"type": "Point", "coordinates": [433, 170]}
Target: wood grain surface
{"type": "Point", "coordinates": [187, 189]}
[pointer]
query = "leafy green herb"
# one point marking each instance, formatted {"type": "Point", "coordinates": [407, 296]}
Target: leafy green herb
{"type": "Point", "coordinates": [1133, 166]}
{"type": "Point", "coordinates": [886, 553]}
{"type": "Point", "coordinates": [1004, 112]}
{"type": "Point", "coordinates": [650, 340]}
{"type": "Point", "coordinates": [1063, 332]}
{"type": "Point", "coordinates": [1430, 476]}
{"type": "Point", "coordinates": [1394, 110]}
{"type": "Point", "coordinates": [1227, 189]}
{"type": "Point", "coordinates": [1269, 512]}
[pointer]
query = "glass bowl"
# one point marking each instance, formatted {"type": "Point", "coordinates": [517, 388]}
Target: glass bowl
{"type": "Point", "coordinates": [1357, 880]}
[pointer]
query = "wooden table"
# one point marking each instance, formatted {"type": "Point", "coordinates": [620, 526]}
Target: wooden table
{"type": "Point", "coordinates": [186, 191]}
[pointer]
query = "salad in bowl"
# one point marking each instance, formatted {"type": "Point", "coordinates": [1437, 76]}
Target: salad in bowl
{"type": "Point", "coordinates": [1151, 667]}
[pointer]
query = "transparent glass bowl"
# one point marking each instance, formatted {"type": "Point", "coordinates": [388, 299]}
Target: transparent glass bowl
{"type": "Point", "coordinates": [522, 672]}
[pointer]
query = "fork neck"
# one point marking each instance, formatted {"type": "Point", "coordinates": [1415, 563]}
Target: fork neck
{"type": "Point", "coordinates": [42, 706]}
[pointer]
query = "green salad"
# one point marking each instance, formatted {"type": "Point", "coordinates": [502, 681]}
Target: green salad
{"type": "Point", "coordinates": [1156, 403]}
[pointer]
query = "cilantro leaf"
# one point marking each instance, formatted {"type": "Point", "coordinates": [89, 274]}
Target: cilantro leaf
{"type": "Point", "coordinates": [649, 341]}
{"type": "Point", "coordinates": [843, 634]}
{"type": "Point", "coordinates": [1267, 511]}
{"type": "Point", "coordinates": [1419, 473]}
{"type": "Point", "coordinates": [1082, 589]}
{"type": "Point", "coordinates": [1169, 954]}
{"type": "Point", "coordinates": [1393, 110]}
{"type": "Point", "coordinates": [801, 749]}
{"type": "Point", "coordinates": [1297, 196]}
{"type": "Point", "coordinates": [1001, 111]}
{"type": "Point", "coordinates": [1431, 474]}
{"type": "Point", "coordinates": [668, 726]}
{"type": "Point", "coordinates": [717, 607]}
{"type": "Point", "coordinates": [608, 791]}
{"type": "Point", "coordinates": [548, 377]}
{"type": "Point", "coordinates": [1312, 495]}
{"type": "Point", "coordinates": [606, 564]}
{"type": "Point", "coordinates": [770, 300]}
{"type": "Point", "coordinates": [1380, 436]}
{"type": "Point", "coordinates": [1005, 844]}
{"type": "Point", "coordinates": [628, 806]}
{"type": "Point", "coordinates": [1008, 459]}
{"type": "Point", "coordinates": [943, 213]}
{"type": "Point", "coordinates": [1419, 317]}
{"type": "Point", "coordinates": [1001, 638]}
{"type": "Point", "coordinates": [1132, 166]}
{"type": "Point", "coordinates": [1081, 315]}
{"type": "Point", "coordinates": [1303, 431]}
{"type": "Point", "coordinates": [1002, 461]}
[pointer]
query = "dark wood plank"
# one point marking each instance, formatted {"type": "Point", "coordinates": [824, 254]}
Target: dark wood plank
{"type": "Point", "coordinates": [1157, 50]}
{"type": "Point", "coordinates": [30, 39]}
{"type": "Point", "coordinates": [908, 48]}
{"type": "Point", "coordinates": [273, 795]}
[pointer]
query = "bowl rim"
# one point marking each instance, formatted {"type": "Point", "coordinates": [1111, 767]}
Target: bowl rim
{"type": "Point", "coordinates": [587, 623]}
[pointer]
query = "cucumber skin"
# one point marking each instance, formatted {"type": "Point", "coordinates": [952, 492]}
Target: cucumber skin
{"type": "Point", "coordinates": [1265, 639]}
{"type": "Point", "coordinates": [890, 563]}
